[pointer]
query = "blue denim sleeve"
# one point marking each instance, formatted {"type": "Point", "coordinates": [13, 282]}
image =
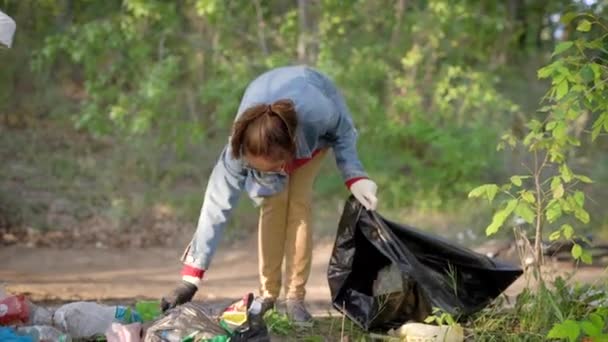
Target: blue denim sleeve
{"type": "Point", "coordinates": [344, 134]}
{"type": "Point", "coordinates": [221, 196]}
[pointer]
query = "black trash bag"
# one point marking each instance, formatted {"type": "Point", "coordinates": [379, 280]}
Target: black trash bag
{"type": "Point", "coordinates": [187, 320]}
{"type": "Point", "coordinates": [432, 272]}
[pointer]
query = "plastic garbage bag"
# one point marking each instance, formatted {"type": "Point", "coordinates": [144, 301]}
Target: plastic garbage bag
{"type": "Point", "coordinates": [434, 272]}
{"type": "Point", "coordinates": [189, 320]}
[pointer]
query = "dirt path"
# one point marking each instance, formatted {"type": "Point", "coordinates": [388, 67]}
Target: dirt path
{"type": "Point", "coordinates": [47, 274]}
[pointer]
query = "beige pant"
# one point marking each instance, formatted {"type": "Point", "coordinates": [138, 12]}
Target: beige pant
{"type": "Point", "coordinates": [285, 231]}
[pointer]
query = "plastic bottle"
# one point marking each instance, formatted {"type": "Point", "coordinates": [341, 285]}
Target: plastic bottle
{"type": "Point", "coordinates": [13, 310]}
{"type": "Point", "coordinates": [43, 333]}
{"type": "Point", "coordinates": [149, 310]}
{"type": "Point", "coordinates": [419, 332]}
{"type": "Point", "coordinates": [88, 319]}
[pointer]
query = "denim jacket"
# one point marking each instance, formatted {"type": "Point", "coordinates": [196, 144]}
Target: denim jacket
{"type": "Point", "coordinates": [323, 121]}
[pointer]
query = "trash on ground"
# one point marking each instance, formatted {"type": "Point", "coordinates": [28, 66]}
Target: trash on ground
{"type": "Point", "coordinates": [189, 320]}
{"type": "Point", "coordinates": [88, 319]}
{"type": "Point", "coordinates": [148, 310]}
{"type": "Point", "coordinates": [39, 315]}
{"type": "Point", "coordinates": [44, 333]}
{"type": "Point", "coordinates": [10, 335]}
{"type": "Point", "coordinates": [13, 310]}
{"type": "Point", "coordinates": [254, 328]}
{"type": "Point", "coordinates": [124, 332]}
{"type": "Point", "coordinates": [414, 332]}
{"type": "Point", "coordinates": [434, 272]}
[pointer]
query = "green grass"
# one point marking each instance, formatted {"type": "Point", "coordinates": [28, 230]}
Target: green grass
{"type": "Point", "coordinates": [528, 317]}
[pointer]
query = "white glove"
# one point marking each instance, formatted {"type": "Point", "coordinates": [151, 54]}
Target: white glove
{"type": "Point", "coordinates": [364, 191]}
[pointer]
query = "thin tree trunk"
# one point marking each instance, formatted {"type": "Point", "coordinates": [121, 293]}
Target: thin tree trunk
{"type": "Point", "coordinates": [399, 9]}
{"type": "Point", "coordinates": [261, 27]}
{"type": "Point", "coordinates": [304, 31]}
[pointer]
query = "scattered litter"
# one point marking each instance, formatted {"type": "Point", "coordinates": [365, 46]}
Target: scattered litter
{"type": "Point", "coordinates": [189, 320]}
{"type": "Point", "coordinates": [88, 319]}
{"type": "Point", "coordinates": [13, 310]}
{"type": "Point", "coordinates": [44, 333]}
{"type": "Point", "coordinates": [415, 332]}
{"type": "Point", "coordinates": [124, 332]}
{"type": "Point", "coordinates": [39, 315]}
{"type": "Point", "coordinates": [254, 328]}
{"type": "Point", "coordinates": [9, 335]}
{"type": "Point", "coordinates": [148, 310]}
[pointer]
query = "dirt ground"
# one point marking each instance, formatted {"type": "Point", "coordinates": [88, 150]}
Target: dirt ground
{"type": "Point", "coordinates": [122, 275]}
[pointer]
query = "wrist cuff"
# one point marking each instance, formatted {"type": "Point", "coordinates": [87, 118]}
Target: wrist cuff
{"type": "Point", "coordinates": [353, 180]}
{"type": "Point", "coordinates": [192, 274]}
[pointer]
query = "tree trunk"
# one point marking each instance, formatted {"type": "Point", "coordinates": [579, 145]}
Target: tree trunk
{"type": "Point", "coordinates": [307, 47]}
{"type": "Point", "coordinates": [261, 27]}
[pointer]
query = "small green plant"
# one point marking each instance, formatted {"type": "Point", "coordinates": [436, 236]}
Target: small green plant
{"type": "Point", "coordinates": [592, 327]}
{"type": "Point", "coordinates": [278, 323]}
{"type": "Point", "coordinates": [551, 191]}
{"type": "Point", "coordinates": [441, 317]}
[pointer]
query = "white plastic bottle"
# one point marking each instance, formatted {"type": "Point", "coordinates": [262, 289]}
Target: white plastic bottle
{"type": "Point", "coordinates": [88, 319]}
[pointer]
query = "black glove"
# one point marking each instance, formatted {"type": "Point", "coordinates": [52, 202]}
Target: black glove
{"type": "Point", "coordinates": [183, 293]}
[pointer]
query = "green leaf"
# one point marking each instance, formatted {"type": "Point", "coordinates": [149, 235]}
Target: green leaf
{"type": "Point", "coordinates": [596, 128]}
{"type": "Point", "coordinates": [577, 251]}
{"type": "Point", "coordinates": [545, 72]}
{"type": "Point", "coordinates": [500, 216]}
{"type": "Point", "coordinates": [528, 196]}
{"type": "Point", "coordinates": [586, 257]}
{"type": "Point", "coordinates": [489, 190]}
{"type": "Point", "coordinates": [551, 125]}
{"type": "Point", "coordinates": [568, 204]}
{"type": "Point", "coordinates": [553, 212]}
{"type": "Point", "coordinates": [584, 26]}
{"type": "Point", "coordinates": [566, 173]}
{"type": "Point", "coordinates": [568, 329]}
{"type": "Point", "coordinates": [561, 47]}
{"type": "Point", "coordinates": [596, 320]}
{"type": "Point", "coordinates": [524, 211]}
{"type": "Point", "coordinates": [590, 329]}
{"type": "Point", "coordinates": [579, 197]}
{"type": "Point", "coordinates": [597, 70]}
{"type": "Point", "coordinates": [587, 73]}
{"type": "Point", "coordinates": [567, 17]}
{"type": "Point", "coordinates": [582, 215]}
{"type": "Point", "coordinates": [583, 178]}
{"type": "Point", "coordinates": [568, 231]}
{"type": "Point", "coordinates": [534, 125]}
{"type": "Point", "coordinates": [560, 130]}
{"type": "Point", "coordinates": [516, 180]}
{"type": "Point", "coordinates": [562, 89]}
{"type": "Point", "coordinates": [558, 192]}
{"type": "Point", "coordinates": [555, 235]}
{"type": "Point", "coordinates": [555, 182]}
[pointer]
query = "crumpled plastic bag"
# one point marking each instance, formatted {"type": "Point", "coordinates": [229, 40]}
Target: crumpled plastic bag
{"type": "Point", "coordinates": [187, 320]}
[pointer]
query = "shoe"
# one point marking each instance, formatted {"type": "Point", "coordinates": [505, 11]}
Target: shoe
{"type": "Point", "coordinates": [297, 312]}
{"type": "Point", "coordinates": [266, 303]}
